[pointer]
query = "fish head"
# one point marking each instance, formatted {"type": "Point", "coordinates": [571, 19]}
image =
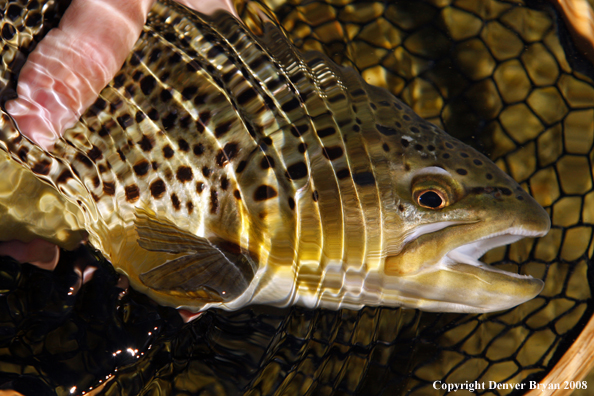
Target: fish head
{"type": "Point", "coordinates": [452, 205]}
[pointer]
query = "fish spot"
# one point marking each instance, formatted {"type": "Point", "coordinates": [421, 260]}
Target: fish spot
{"type": "Point", "coordinates": [477, 162]}
{"type": "Point", "coordinates": [132, 193]}
{"type": "Point", "coordinates": [364, 178]}
{"type": "Point", "coordinates": [449, 145]}
{"type": "Point", "coordinates": [166, 95]}
{"type": "Point", "coordinates": [8, 32]}
{"type": "Point", "coordinates": [407, 167]}
{"type": "Point", "coordinates": [431, 147]}
{"type": "Point", "coordinates": [189, 92]}
{"type": "Point", "coordinates": [506, 191]}
{"type": "Point", "coordinates": [83, 159]}
{"type": "Point", "coordinates": [141, 168]}
{"type": "Point", "coordinates": [302, 148]}
{"type": "Point", "coordinates": [267, 141]}
{"type": "Point", "coordinates": [241, 167]}
{"type": "Point", "coordinates": [200, 187]}
{"type": "Point", "coordinates": [419, 147]}
{"type": "Point", "coordinates": [125, 120]}
{"type": "Point", "coordinates": [267, 162]}
{"type": "Point", "coordinates": [198, 149]}
{"type": "Point", "coordinates": [175, 58]}
{"type": "Point", "coordinates": [183, 145]}
{"type": "Point", "coordinates": [463, 155]}
{"type": "Point", "coordinates": [343, 173]}
{"type": "Point", "coordinates": [222, 129]}
{"type": "Point", "coordinates": [291, 203]}
{"type": "Point", "coordinates": [184, 174]}
{"type": "Point", "coordinates": [404, 142]}
{"type": "Point", "coordinates": [153, 114]}
{"type": "Point", "coordinates": [109, 188]}
{"type": "Point", "coordinates": [175, 201]}
{"type": "Point", "coordinates": [356, 128]}
{"type": "Point", "coordinates": [315, 196]}
{"type": "Point", "coordinates": [167, 152]}
{"type": "Point", "coordinates": [326, 132]}
{"type": "Point", "coordinates": [157, 188]}
{"type": "Point", "coordinates": [139, 116]}
{"type": "Point", "coordinates": [246, 96]}
{"type": "Point", "coordinates": [398, 124]}
{"type": "Point", "coordinates": [224, 183]}
{"type": "Point", "coordinates": [206, 171]}
{"type": "Point", "coordinates": [297, 171]}
{"type": "Point", "coordinates": [373, 106]}
{"type": "Point", "coordinates": [146, 143]}
{"type": "Point", "coordinates": [384, 130]}
{"type": "Point", "coordinates": [155, 165]}
{"type": "Point", "coordinates": [154, 55]}
{"type": "Point", "coordinates": [42, 167]}
{"type": "Point", "coordinates": [169, 120]}
{"type": "Point", "coordinates": [147, 84]}
{"type": "Point", "coordinates": [386, 147]}
{"type": "Point", "coordinates": [520, 198]}
{"type": "Point", "coordinates": [445, 156]}
{"type": "Point", "coordinates": [461, 171]}
{"type": "Point", "coordinates": [214, 201]}
{"type": "Point", "coordinates": [290, 105]}
{"type": "Point", "coordinates": [333, 152]}
{"type": "Point", "coordinates": [406, 117]}
{"type": "Point", "coordinates": [489, 176]}
{"type": "Point", "coordinates": [414, 129]}
{"type": "Point", "coordinates": [237, 194]}
{"type": "Point", "coordinates": [190, 207]}
{"type": "Point", "coordinates": [264, 192]}
{"type": "Point", "coordinates": [401, 207]}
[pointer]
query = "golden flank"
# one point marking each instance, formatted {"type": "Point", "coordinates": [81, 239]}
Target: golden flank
{"type": "Point", "coordinates": [222, 169]}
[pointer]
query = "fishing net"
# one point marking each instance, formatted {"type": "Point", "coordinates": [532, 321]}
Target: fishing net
{"type": "Point", "coordinates": [501, 76]}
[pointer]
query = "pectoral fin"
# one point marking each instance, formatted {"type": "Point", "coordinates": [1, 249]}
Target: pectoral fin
{"type": "Point", "coordinates": [207, 271]}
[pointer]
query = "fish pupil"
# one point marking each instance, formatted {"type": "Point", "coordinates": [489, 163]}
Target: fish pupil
{"type": "Point", "coordinates": [430, 199]}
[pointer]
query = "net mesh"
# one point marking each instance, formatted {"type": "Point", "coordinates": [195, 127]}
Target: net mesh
{"type": "Point", "coordinates": [492, 73]}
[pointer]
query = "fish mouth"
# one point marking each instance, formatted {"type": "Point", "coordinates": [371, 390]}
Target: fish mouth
{"type": "Point", "coordinates": [454, 279]}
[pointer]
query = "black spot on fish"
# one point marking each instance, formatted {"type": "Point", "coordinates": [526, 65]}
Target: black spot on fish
{"type": "Point", "coordinates": [125, 121]}
{"type": "Point", "coordinates": [109, 188]}
{"type": "Point", "coordinates": [384, 130]}
{"type": "Point", "coordinates": [157, 188]}
{"type": "Point", "coordinates": [356, 128]}
{"type": "Point", "coordinates": [189, 92]}
{"type": "Point", "coordinates": [520, 198]}
{"type": "Point", "coordinates": [264, 192]}
{"type": "Point", "coordinates": [449, 145]}
{"type": "Point", "coordinates": [83, 159]}
{"type": "Point", "coordinates": [246, 96]}
{"type": "Point", "coordinates": [373, 106]}
{"type": "Point", "coordinates": [184, 174]}
{"type": "Point", "coordinates": [119, 80]}
{"type": "Point", "coordinates": [326, 132]}
{"type": "Point", "coordinates": [166, 95]}
{"type": "Point", "coordinates": [333, 152]}
{"type": "Point", "coordinates": [222, 129]}
{"type": "Point", "coordinates": [224, 183]}
{"type": "Point", "coordinates": [139, 116]}
{"type": "Point", "coordinates": [154, 55]}
{"type": "Point", "coordinates": [364, 178]}
{"type": "Point", "coordinates": [153, 114]}
{"type": "Point", "coordinates": [315, 196]}
{"type": "Point", "coordinates": [463, 155]}
{"type": "Point", "coordinates": [42, 167]}
{"type": "Point", "coordinates": [146, 143]}
{"type": "Point", "coordinates": [290, 105]}
{"type": "Point", "coordinates": [419, 147]}
{"type": "Point", "coordinates": [147, 84]}
{"type": "Point", "coordinates": [506, 191]}
{"type": "Point", "coordinates": [414, 129]}
{"type": "Point", "coordinates": [141, 168]}
{"type": "Point", "coordinates": [477, 162]}
{"type": "Point", "coordinates": [489, 176]}
{"type": "Point", "coordinates": [167, 152]}
{"type": "Point", "coordinates": [169, 120]}
{"type": "Point", "coordinates": [406, 117]}
{"type": "Point", "coordinates": [267, 162]}
{"type": "Point", "coordinates": [206, 171]}
{"type": "Point", "coordinates": [343, 173]}
{"type": "Point", "coordinates": [198, 149]}
{"type": "Point", "coordinates": [190, 207]}
{"type": "Point", "coordinates": [386, 147]}
{"type": "Point", "coordinates": [8, 32]}
{"type": "Point", "coordinates": [237, 194]}
{"type": "Point", "coordinates": [183, 145]}
{"type": "Point", "coordinates": [302, 148]}
{"type": "Point", "coordinates": [404, 142]}
{"type": "Point", "coordinates": [175, 201]}
{"type": "Point", "coordinates": [445, 156]}
{"type": "Point", "coordinates": [231, 150]}
{"type": "Point", "coordinates": [241, 167]}
{"type": "Point", "coordinates": [401, 207]}
{"type": "Point", "coordinates": [291, 203]}
{"type": "Point", "coordinates": [132, 193]}
{"type": "Point", "coordinates": [297, 171]}
{"type": "Point", "coordinates": [431, 147]}
{"type": "Point", "coordinates": [462, 171]}
{"type": "Point", "coordinates": [214, 201]}
{"type": "Point", "coordinates": [200, 187]}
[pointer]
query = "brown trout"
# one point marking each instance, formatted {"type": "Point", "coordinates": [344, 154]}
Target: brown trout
{"type": "Point", "coordinates": [222, 168]}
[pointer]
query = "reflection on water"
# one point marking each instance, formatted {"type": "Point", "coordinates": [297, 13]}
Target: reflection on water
{"type": "Point", "coordinates": [495, 75]}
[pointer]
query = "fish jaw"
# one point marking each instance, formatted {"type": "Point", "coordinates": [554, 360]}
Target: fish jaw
{"type": "Point", "coordinates": [439, 270]}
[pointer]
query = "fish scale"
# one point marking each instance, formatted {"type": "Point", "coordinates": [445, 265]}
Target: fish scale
{"type": "Point", "coordinates": [220, 168]}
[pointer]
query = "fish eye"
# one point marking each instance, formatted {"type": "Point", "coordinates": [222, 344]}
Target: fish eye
{"type": "Point", "coordinates": [431, 199]}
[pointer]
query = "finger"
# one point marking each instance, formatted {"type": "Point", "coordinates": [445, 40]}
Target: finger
{"type": "Point", "coordinates": [69, 67]}
{"type": "Point", "coordinates": [38, 252]}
